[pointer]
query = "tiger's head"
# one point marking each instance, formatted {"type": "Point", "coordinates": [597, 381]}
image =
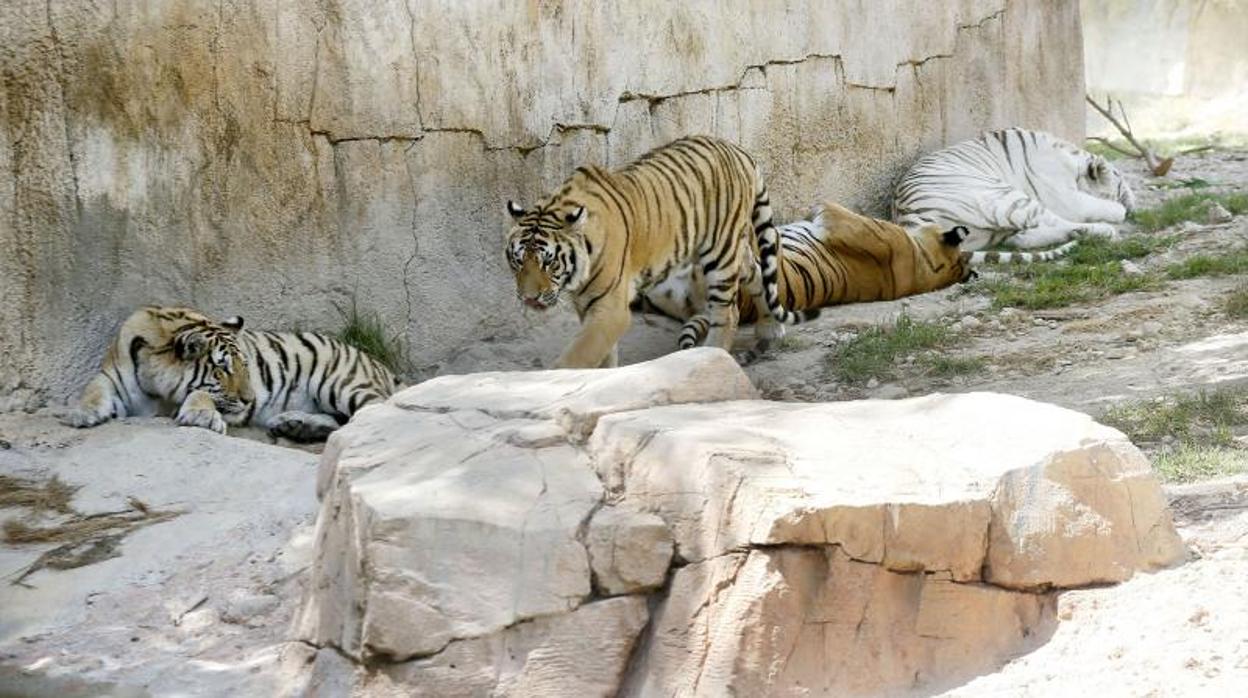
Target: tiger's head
{"type": "Point", "coordinates": [547, 250]}
{"type": "Point", "coordinates": [1102, 180]}
{"type": "Point", "coordinates": [211, 360]}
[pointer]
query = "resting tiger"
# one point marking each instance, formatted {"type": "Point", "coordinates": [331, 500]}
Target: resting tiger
{"type": "Point", "coordinates": [842, 257]}
{"type": "Point", "coordinates": [604, 236]}
{"type": "Point", "coordinates": [1023, 188]}
{"type": "Point", "coordinates": [298, 385]}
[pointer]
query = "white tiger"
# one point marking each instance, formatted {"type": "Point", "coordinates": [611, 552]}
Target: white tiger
{"type": "Point", "coordinates": [1023, 188]}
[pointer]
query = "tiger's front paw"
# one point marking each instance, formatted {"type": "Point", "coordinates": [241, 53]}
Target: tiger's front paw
{"type": "Point", "coordinates": [203, 418]}
{"type": "Point", "coordinates": [82, 419]}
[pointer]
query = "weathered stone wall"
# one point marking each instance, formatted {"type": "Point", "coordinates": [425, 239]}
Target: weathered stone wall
{"type": "Point", "coordinates": [274, 159]}
{"type": "Point", "coordinates": [1178, 65]}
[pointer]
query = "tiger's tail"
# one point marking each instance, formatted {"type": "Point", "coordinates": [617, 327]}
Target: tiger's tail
{"type": "Point", "coordinates": [980, 258]}
{"type": "Point", "coordinates": [769, 260]}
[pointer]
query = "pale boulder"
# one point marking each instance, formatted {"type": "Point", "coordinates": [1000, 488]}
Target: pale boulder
{"type": "Point", "coordinates": [472, 526]}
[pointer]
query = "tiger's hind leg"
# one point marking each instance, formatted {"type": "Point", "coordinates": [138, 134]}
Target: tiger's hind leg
{"type": "Point", "coordinates": [767, 329]}
{"type": "Point", "coordinates": [303, 427]}
{"type": "Point", "coordinates": [721, 305]}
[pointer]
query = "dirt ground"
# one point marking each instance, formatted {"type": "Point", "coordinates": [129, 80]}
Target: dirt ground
{"type": "Point", "coordinates": [1176, 632]}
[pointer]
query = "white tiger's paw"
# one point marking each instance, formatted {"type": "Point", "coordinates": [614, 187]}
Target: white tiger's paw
{"type": "Point", "coordinates": [1100, 230]}
{"type": "Point", "coordinates": [81, 419]}
{"type": "Point", "coordinates": [205, 419]}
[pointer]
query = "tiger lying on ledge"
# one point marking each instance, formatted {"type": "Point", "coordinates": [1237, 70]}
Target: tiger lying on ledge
{"type": "Point", "coordinates": [1016, 187]}
{"type": "Point", "coordinates": [842, 257]}
{"type": "Point", "coordinates": [301, 385]}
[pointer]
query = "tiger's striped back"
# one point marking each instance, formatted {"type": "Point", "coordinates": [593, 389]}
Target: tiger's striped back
{"type": "Point", "coordinates": [602, 237]}
{"type": "Point", "coordinates": [313, 373]}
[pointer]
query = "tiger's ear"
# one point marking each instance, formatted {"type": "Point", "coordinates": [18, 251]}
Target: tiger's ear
{"type": "Point", "coordinates": [514, 209]}
{"type": "Point", "coordinates": [233, 324]}
{"type": "Point", "coordinates": [189, 345]}
{"type": "Point", "coordinates": [574, 217]}
{"type": "Point", "coordinates": [1098, 168]}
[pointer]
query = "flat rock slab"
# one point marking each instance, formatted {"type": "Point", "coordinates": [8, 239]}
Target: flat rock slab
{"type": "Point", "coordinates": [197, 604]}
{"type": "Point", "coordinates": [471, 521]}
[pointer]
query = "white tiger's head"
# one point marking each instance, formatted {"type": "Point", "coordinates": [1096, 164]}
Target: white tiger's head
{"type": "Point", "coordinates": [1102, 180]}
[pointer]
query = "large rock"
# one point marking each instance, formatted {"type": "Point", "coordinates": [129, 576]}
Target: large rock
{"type": "Point", "coordinates": [472, 526]}
{"type": "Point", "coordinates": [276, 160]}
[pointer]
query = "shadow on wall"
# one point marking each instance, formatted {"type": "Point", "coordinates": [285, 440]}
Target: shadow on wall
{"type": "Point", "coordinates": [1180, 66]}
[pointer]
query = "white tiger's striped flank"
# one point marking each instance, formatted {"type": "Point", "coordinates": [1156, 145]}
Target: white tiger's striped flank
{"type": "Point", "coordinates": [1026, 189]}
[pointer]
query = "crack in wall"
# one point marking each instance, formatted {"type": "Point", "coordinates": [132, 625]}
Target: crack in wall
{"type": "Point", "coordinates": [652, 99]}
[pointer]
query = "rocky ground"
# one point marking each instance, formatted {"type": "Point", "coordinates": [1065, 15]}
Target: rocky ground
{"type": "Point", "coordinates": [211, 599]}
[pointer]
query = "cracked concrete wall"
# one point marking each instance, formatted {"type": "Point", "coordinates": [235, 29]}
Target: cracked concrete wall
{"type": "Point", "coordinates": [274, 159]}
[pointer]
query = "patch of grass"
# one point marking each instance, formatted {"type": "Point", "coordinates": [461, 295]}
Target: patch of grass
{"type": "Point", "coordinates": [365, 331]}
{"type": "Point", "coordinates": [1236, 304]}
{"type": "Point", "coordinates": [875, 351]}
{"type": "Point", "coordinates": [1090, 272]}
{"type": "Point", "coordinates": [1042, 286]}
{"type": "Point", "coordinates": [1202, 419]}
{"type": "Point", "coordinates": [944, 366]}
{"type": "Point", "coordinates": [1188, 207]}
{"type": "Point", "coordinates": [1186, 463]}
{"type": "Point", "coordinates": [1234, 262]}
{"type": "Point", "coordinates": [1101, 250]}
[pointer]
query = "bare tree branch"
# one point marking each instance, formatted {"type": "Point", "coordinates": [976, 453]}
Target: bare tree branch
{"type": "Point", "coordinates": [1158, 167]}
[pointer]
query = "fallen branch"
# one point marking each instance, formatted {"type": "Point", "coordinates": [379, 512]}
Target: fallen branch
{"type": "Point", "coordinates": [1158, 167]}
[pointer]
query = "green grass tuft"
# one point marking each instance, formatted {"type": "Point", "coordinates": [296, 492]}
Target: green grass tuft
{"type": "Point", "coordinates": [1101, 250]}
{"type": "Point", "coordinates": [1042, 286]}
{"type": "Point", "coordinates": [1188, 207]}
{"type": "Point", "coordinates": [1236, 304]}
{"type": "Point", "coordinates": [1234, 262]}
{"type": "Point", "coordinates": [365, 331]}
{"type": "Point", "coordinates": [1185, 463]}
{"type": "Point", "coordinates": [945, 366]}
{"type": "Point", "coordinates": [1202, 419]}
{"type": "Point", "coordinates": [1090, 272]}
{"type": "Point", "coordinates": [875, 352]}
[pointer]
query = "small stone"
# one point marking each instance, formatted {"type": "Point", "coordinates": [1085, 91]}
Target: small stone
{"type": "Point", "coordinates": [243, 607]}
{"type": "Point", "coordinates": [1116, 353]}
{"type": "Point", "coordinates": [996, 325]}
{"type": "Point", "coordinates": [889, 391]}
{"type": "Point", "coordinates": [872, 384]}
{"type": "Point", "coordinates": [1130, 268]}
{"type": "Point", "coordinates": [1052, 324]}
{"type": "Point", "coordinates": [1008, 312]}
{"type": "Point", "coordinates": [1190, 227]}
{"type": "Point", "coordinates": [970, 322]}
{"type": "Point", "coordinates": [1216, 214]}
{"type": "Point", "coordinates": [1038, 322]}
